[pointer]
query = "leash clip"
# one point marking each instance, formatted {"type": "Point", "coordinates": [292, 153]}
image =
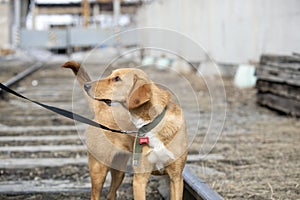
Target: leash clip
{"type": "Point", "coordinates": [128, 132]}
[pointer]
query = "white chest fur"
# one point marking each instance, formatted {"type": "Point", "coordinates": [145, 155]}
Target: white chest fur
{"type": "Point", "coordinates": [158, 154]}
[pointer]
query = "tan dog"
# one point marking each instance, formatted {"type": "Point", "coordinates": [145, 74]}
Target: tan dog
{"type": "Point", "coordinates": [116, 160]}
{"type": "Point", "coordinates": [167, 148]}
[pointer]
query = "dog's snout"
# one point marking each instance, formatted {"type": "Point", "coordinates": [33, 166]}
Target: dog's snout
{"type": "Point", "coordinates": [87, 86]}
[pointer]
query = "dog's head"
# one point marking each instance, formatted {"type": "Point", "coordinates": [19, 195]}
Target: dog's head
{"type": "Point", "coordinates": [115, 117]}
{"type": "Point", "coordinates": [128, 86]}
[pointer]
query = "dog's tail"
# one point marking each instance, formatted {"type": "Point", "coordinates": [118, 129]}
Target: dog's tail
{"type": "Point", "coordinates": [81, 75]}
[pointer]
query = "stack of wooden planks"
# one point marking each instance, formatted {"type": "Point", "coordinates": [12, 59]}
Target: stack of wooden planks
{"type": "Point", "coordinates": [278, 83]}
{"type": "Point", "coordinates": [4, 52]}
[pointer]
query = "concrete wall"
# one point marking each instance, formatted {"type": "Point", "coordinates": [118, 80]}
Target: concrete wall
{"type": "Point", "coordinates": [4, 24]}
{"type": "Point", "coordinates": [232, 31]}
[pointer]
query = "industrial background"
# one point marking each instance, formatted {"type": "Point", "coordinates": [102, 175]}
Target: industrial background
{"type": "Point", "coordinates": [233, 65]}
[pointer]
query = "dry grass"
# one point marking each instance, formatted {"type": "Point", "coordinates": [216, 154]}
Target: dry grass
{"type": "Point", "coordinates": [261, 151]}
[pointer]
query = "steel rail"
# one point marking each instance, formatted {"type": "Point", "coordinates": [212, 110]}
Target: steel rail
{"type": "Point", "coordinates": [22, 75]}
{"type": "Point", "coordinates": [197, 189]}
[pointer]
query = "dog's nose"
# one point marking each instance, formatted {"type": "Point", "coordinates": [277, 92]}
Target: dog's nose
{"type": "Point", "coordinates": [87, 86]}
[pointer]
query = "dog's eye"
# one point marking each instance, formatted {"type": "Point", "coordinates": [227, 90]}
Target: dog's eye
{"type": "Point", "coordinates": [116, 79]}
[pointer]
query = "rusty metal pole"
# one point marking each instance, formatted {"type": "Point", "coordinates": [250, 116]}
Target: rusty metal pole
{"type": "Point", "coordinates": [17, 23]}
{"type": "Point", "coordinates": [116, 15]}
{"type": "Point", "coordinates": [85, 6]}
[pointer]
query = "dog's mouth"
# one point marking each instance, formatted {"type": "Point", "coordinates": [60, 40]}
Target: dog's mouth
{"type": "Point", "coordinates": [107, 101]}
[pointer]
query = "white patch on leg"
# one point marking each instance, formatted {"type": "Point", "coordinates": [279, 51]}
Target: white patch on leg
{"type": "Point", "coordinates": [158, 154]}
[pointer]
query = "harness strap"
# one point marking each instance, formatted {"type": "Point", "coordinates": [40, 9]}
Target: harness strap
{"type": "Point", "coordinates": [142, 132]}
{"type": "Point", "coordinates": [148, 127]}
{"type": "Point", "coordinates": [66, 113]}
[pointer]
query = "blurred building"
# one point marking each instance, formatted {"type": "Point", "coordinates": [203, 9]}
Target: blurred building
{"type": "Point", "coordinates": [4, 23]}
{"type": "Point", "coordinates": [232, 31]}
{"type": "Point", "coordinates": [63, 24]}
{"type": "Point", "coordinates": [45, 14]}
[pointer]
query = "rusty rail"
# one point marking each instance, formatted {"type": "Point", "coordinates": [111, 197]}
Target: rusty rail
{"type": "Point", "coordinates": [197, 189]}
{"type": "Point", "coordinates": [22, 75]}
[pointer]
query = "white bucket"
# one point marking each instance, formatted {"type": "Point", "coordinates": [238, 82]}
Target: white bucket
{"type": "Point", "coordinates": [245, 76]}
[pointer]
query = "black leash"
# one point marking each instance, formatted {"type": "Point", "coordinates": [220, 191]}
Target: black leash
{"type": "Point", "coordinates": [65, 113]}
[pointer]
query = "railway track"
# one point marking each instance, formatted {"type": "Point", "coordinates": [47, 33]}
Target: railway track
{"type": "Point", "coordinates": [41, 154]}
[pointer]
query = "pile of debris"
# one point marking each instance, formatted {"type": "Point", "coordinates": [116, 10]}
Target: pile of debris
{"type": "Point", "coordinates": [278, 83]}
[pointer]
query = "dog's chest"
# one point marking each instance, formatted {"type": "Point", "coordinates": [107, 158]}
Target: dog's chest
{"type": "Point", "coordinates": [158, 155]}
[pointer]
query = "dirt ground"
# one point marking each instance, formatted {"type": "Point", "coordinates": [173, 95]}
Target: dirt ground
{"type": "Point", "coordinates": [260, 148]}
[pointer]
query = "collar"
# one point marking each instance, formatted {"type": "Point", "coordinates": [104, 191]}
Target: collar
{"type": "Point", "coordinates": [148, 127]}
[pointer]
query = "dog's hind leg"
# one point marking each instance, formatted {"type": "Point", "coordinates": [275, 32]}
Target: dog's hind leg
{"type": "Point", "coordinates": [117, 170]}
{"type": "Point", "coordinates": [116, 180]}
{"type": "Point", "coordinates": [98, 172]}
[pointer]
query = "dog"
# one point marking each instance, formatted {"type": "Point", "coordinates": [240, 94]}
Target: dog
{"type": "Point", "coordinates": [165, 149]}
{"type": "Point", "coordinates": [103, 114]}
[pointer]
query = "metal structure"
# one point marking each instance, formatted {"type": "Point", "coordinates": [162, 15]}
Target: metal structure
{"type": "Point", "coordinates": [72, 37]}
{"type": "Point", "coordinates": [85, 10]}
{"type": "Point", "coordinates": [85, 6]}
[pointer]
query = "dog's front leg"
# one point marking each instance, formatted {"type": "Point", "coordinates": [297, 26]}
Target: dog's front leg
{"type": "Point", "coordinates": [140, 181]}
{"type": "Point", "coordinates": [98, 172]}
{"type": "Point", "coordinates": [176, 187]}
{"type": "Point", "coordinates": [174, 170]}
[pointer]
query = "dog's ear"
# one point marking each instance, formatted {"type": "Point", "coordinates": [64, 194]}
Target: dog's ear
{"type": "Point", "coordinates": [139, 96]}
